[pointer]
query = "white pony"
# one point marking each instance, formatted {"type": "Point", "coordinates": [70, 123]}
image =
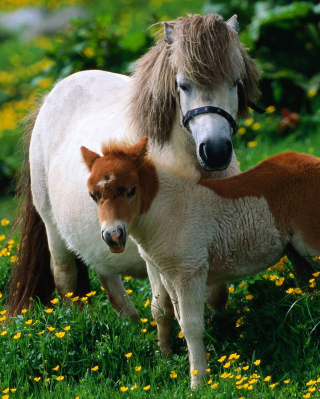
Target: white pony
{"type": "Point", "coordinates": [198, 63]}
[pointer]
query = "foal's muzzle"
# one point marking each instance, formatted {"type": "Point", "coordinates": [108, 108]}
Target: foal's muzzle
{"type": "Point", "coordinates": [115, 237]}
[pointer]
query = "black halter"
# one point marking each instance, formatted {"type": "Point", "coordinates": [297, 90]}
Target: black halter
{"type": "Point", "coordinates": [208, 109]}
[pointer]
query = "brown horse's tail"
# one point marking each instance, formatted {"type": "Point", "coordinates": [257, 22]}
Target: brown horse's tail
{"type": "Point", "coordinates": [31, 276]}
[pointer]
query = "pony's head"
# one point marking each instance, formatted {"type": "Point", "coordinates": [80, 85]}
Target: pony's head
{"type": "Point", "coordinates": [123, 183]}
{"type": "Point", "coordinates": [199, 63]}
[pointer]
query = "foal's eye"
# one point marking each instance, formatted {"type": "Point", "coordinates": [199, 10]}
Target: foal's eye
{"type": "Point", "coordinates": [93, 197]}
{"type": "Point", "coordinates": [131, 192]}
{"type": "Point", "coordinates": [121, 190]}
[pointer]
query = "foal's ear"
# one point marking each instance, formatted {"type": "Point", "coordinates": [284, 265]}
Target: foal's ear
{"type": "Point", "coordinates": [89, 157]}
{"type": "Point", "coordinates": [139, 151]}
{"type": "Point", "coordinates": [233, 23]}
{"type": "Point", "coordinates": [168, 31]}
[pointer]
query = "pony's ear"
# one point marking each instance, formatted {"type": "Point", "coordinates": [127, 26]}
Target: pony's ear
{"type": "Point", "coordinates": [89, 157]}
{"type": "Point", "coordinates": [139, 151]}
{"type": "Point", "coordinates": [233, 23]}
{"type": "Point", "coordinates": [168, 31]}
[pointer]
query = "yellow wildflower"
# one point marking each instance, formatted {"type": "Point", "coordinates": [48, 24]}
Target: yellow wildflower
{"type": "Point", "coordinates": [146, 388]}
{"type": "Point", "coordinates": [242, 130]}
{"type": "Point", "coordinates": [51, 328]}
{"type": "Point", "coordinates": [311, 93]}
{"type": "Point", "coordinates": [95, 368]}
{"type": "Point", "coordinates": [270, 109]}
{"type": "Point", "coordinates": [133, 387]}
{"type": "Point", "coordinates": [50, 310]}
{"type": "Point", "coordinates": [173, 374]}
{"type": "Point", "coordinates": [144, 320]}
{"type": "Point", "coordinates": [227, 365]}
{"type": "Point", "coordinates": [74, 299]}
{"type": "Point", "coordinates": [194, 372]}
{"type": "Point", "coordinates": [4, 222]}
{"type": "Point", "coordinates": [41, 332]}
{"type": "Point", "coordinates": [4, 332]}
{"type": "Point", "coordinates": [60, 378]}
{"type": "Point", "coordinates": [248, 121]}
{"type": "Point", "coordinates": [92, 293]}
{"type": "Point", "coordinates": [215, 385]}
{"type": "Point", "coordinates": [180, 335]}
{"type": "Point", "coordinates": [153, 323]}
{"type": "Point", "coordinates": [124, 389]}
{"type": "Point", "coordinates": [268, 378]}
{"type": "Point", "coordinates": [249, 297]}
{"type": "Point", "coordinates": [280, 281]}
{"type": "Point", "coordinates": [147, 302]}
{"type": "Point", "coordinates": [6, 390]}
{"type": "Point", "coordinates": [66, 328]}
{"type": "Point", "coordinates": [222, 359]}
{"type": "Point", "coordinates": [56, 368]}
{"type": "Point", "coordinates": [290, 290]}
{"type": "Point", "coordinates": [231, 290]}
{"type": "Point", "coordinates": [307, 395]}
{"type": "Point", "coordinates": [129, 291]}
{"type": "Point", "coordinates": [23, 311]}
{"type": "Point", "coordinates": [207, 356]}
{"type": "Point", "coordinates": [3, 318]}
{"type": "Point", "coordinates": [37, 379]}
{"type": "Point", "coordinates": [69, 294]}
{"type": "Point", "coordinates": [144, 330]}
{"type": "Point", "coordinates": [28, 322]}
{"type": "Point", "coordinates": [257, 362]}
{"type": "Point", "coordinates": [84, 299]}
{"type": "Point", "coordinates": [17, 336]}
{"type": "Point", "coordinates": [54, 301]}
{"type": "Point", "coordinates": [60, 334]}
{"type": "Point", "coordinates": [127, 278]}
{"type": "Point", "coordinates": [252, 144]}
{"type": "Point", "coordinates": [128, 355]}
{"type": "Point", "coordinates": [138, 368]}
{"type": "Point", "coordinates": [256, 126]}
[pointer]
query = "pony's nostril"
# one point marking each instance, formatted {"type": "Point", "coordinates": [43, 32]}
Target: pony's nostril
{"type": "Point", "coordinates": [116, 235]}
{"type": "Point", "coordinates": [202, 152]}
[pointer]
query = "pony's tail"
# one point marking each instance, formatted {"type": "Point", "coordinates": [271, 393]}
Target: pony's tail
{"type": "Point", "coordinates": [31, 275]}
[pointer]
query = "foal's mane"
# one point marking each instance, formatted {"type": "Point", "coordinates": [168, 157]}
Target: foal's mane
{"type": "Point", "coordinates": [208, 51]}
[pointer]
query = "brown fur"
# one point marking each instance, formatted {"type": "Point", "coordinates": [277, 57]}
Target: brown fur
{"type": "Point", "coordinates": [208, 51]}
{"type": "Point", "coordinates": [278, 179]}
{"type": "Point", "coordinates": [116, 155]}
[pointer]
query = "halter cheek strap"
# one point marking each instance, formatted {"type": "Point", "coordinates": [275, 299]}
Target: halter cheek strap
{"type": "Point", "coordinates": [208, 109]}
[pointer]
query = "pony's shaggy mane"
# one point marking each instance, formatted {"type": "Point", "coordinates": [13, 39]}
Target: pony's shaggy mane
{"type": "Point", "coordinates": [208, 51]}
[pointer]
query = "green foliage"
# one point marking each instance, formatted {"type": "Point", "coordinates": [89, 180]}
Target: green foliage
{"type": "Point", "coordinates": [284, 38]}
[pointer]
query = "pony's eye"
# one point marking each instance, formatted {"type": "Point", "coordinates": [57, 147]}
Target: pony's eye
{"type": "Point", "coordinates": [132, 192]}
{"type": "Point", "coordinates": [183, 87]}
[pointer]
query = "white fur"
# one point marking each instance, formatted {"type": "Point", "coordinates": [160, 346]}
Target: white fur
{"type": "Point", "coordinates": [89, 109]}
{"type": "Point", "coordinates": [194, 240]}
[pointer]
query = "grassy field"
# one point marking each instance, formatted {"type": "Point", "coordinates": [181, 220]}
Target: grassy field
{"type": "Point", "coordinates": [264, 345]}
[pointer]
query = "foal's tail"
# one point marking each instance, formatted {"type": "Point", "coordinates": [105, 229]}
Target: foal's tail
{"type": "Point", "coordinates": [31, 275]}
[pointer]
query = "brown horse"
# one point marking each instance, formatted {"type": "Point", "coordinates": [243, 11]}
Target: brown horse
{"type": "Point", "coordinates": [198, 235]}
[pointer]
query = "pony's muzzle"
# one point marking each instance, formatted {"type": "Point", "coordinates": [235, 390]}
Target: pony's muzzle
{"type": "Point", "coordinates": [215, 154]}
{"type": "Point", "coordinates": [115, 237]}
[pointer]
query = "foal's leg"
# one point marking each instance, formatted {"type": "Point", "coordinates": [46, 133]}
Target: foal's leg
{"type": "Point", "coordinates": [162, 310]}
{"type": "Point", "coordinates": [118, 297]}
{"type": "Point", "coordinates": [217, 296]}
{"type": "Point", "coordinates": [302, 267]}
{"type": "Point", "coordinates": [190, 293]}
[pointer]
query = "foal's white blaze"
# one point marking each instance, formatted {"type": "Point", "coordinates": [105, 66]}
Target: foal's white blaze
{"type": "Point", "coordinates": [103, 182]}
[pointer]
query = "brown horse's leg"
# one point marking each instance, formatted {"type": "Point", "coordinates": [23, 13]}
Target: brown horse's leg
{"type": "Point", "coordinates": [118, 297]}
{"type": "Point", "coordinates": [217, 296]}
{"type": "Point", "coordinates": [302, 267]}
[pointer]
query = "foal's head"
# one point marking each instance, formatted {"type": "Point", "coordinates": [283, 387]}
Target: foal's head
{"type": "Point", "coordinates": [123, 183]}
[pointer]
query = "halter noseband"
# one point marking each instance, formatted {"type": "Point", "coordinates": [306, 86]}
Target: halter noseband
{"type": "Point", "coordinates": [208, 109]}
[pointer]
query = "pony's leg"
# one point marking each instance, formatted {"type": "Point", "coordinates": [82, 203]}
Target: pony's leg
{"type": "Point", "coordinates": [302, 267]}
{"type": "Point", "coordinates": [62, 263]}
{"type": "Point", "coordinates": [118, 297]}
{"type": "Point", "coordinates": [217, 296]}
{"type": "Point", "coordinates": [162, 310]}
{"type": "Point", "coordinates": [190, 292]}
